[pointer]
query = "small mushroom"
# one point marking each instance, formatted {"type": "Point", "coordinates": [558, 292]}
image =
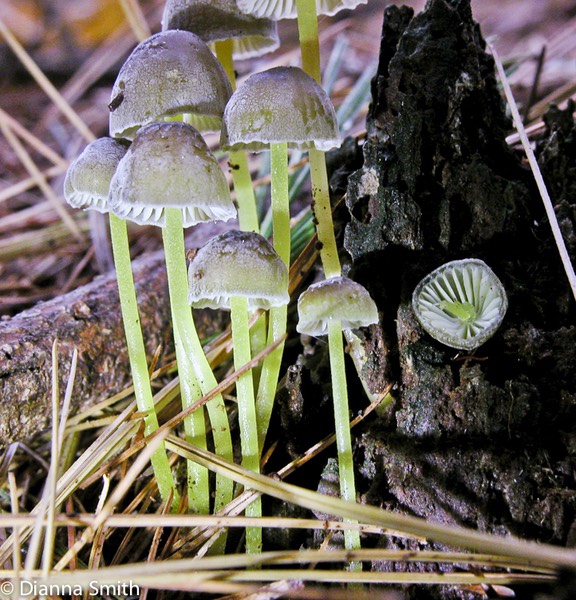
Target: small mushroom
{"type": "Point", "coordinates": [282, 104]}
{"type": "Point", "coordinates": [88, 177]}
{"type": "Point", "coordinates": [461, 303]}
{"type": "Point", "coordinates": [241, 271]}
{"type": "Point", "coordinates": [335, 299]}
{"type": "Point", "coordinates": [219, 20]}
{"type": "Point", "coordinates": [287, 9]}
{"type": "Point", "coordinates": [169, 165]}
{"type": "Point", "coordinates": [169, 178]}
{"type": "Point", "coordinates": [169, 74]}
{"type": "Point", "coordinates": [328, 307]}
{"type": "Point", "coordinates": [237, 263]}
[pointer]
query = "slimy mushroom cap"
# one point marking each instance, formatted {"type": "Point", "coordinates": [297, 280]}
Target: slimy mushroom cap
{"type": "Point", "coordinates": [170, 165]}
{"type": "Point", "coordinates": [237, 263]}
{"type": "Point", "coordinates": [337, 298]}
{"type": "Point", "coordinates": [461, 303]}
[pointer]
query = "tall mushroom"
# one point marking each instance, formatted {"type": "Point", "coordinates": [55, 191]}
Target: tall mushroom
{"type": "Point", "coordinates": [278, 108]}
{"type": "Point", "coordinates": [241, 271]}
{"type": "Point", "coordinates": [169, 178]}
{"type": "Point", "coordinates": [86, 186]}
{"type": "Point", "coordinates": [328, 307]}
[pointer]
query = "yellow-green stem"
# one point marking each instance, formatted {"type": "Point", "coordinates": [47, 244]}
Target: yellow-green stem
{"type": "Point", "coordinates": [342, 424]}
{"type": "Point", "coordinates": [277, 321]}
{"type": "Point", "coordinates": [323, 214]}
{"type": "Point", "coordinates": [246, 411]}
{"type": "Point", "coordinates": [247, 214]}
{"type": "Point", "coordinates": [194, 355]}
{"type": "Point", "coordinates": [137, 354]}
{"type": "Point", "coordinates": [194, 427]}
{"type": "Point", "coordinates": [308, 34]}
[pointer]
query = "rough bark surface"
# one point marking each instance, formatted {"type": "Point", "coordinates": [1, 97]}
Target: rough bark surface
{"type": "Point", "coordinates": [484, 440]}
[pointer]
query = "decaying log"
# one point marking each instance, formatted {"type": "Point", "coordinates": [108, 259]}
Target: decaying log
{"type": "Point", "coordinates": [87, 319]}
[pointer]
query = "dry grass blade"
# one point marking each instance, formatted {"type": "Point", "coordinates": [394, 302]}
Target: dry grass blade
{"type": "Point", "coordinates": [548, 206]}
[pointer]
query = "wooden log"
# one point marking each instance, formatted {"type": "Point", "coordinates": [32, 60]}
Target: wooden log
{"type": "Point", "coordinates": [87, 319]}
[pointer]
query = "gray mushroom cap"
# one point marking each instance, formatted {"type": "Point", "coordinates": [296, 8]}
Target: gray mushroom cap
{"type": "Point", "coordinates": [217, 20]}
{"type": "Point", "coordinates": [337, 298]}
{"type": "Point", "coordinates": [237, 263]}
{"type": "Point", "coordinates": [170, 73]}
{"type": "Point", "coordinates": [282, 104]}
{"type": "Point", "coordinates": [286, 9]}
{"type": "Point", "coordinates": [170, 165]}
{"type": "Point", "coordinates": [88, 177]}
{"type": "Point", "coordinates": [461, 303]}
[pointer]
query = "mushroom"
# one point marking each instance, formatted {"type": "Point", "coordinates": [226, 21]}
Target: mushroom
{"type": "Point", "coordinates": [87, 180]}
{"type": "Point", "coordinates": [280, 108]}
{"type": "Point", "coordinates": [241, 271]}
{"type": "Point", "coordinates": [328, 307]}
{"type": "Point", "coordinates": [222, 20]}
{"type": "Point", "coordinates": [169, 178]}
{"type": "Point", "coordinates": [169, 74]}
{"type": "Point", "coordinates": [461, 303]}
{"type": "Point", "coordinates": [236, 35]}
{"type": "Point", "coordinates": [336, 299]}
{"type": "Point", "coordinates": [86, 186]}
{"type": "Point", "coordinates": [169, 165]}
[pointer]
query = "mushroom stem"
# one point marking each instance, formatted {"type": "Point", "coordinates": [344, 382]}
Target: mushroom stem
{"type": "Point", "coordinates": [323, 213]}
{"type": "Point", "coordinates": [270, 372]}
{"type": "Point", "coordinates": [280, 200]}
{"type": "Point", "coordinates": [308, 34]}
{"type": "Point", "coordinates": [247, 213]}
{"type": "Point", "coordinates": [137, 355]}
{"type": "Point", "coordinates": [246, 411]}
{"type": "Point", "coordinates": [342, 423]}
{"type": "Point", "coordinates": [278, 315]}
{"type": "Point", "coordinates": [196, 376]}
{"type": "Point", "coordinates": [310, 49]}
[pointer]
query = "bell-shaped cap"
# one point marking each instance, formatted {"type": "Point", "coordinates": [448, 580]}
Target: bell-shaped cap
{"type": "Point", "coordinates": [286, 9]}
{"type": "Point", "coordinates": [238, 264]}
{"type": "Point", "coordinates": [218, 20]}
{"type": "Point", "coordinates": [337, 298]}
{"type": "Point", "coordinates": [461, 303]}
{"type": "Point", "coordinates": [283, 104]}
{"type": "Point", "coordinates": [170, 73]}
{"type": "Point", "coordinates": [88, 177]}
{"type": "Point", "coordinates": [170, 165]}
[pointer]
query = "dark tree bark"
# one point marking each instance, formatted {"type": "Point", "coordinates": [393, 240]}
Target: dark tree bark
{"type": "Point", "coordinates": [484, 440]}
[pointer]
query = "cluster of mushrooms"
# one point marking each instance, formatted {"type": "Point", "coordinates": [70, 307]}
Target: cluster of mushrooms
{"type": "Point", "coordinates": [156, 169]}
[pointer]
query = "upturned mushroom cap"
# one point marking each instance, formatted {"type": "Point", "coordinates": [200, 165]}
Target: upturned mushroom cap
{"type": "Point", "coordinates": [461, 303]}
{"type": "Point", "coordinates": [283, 104]}
{"type": "Point", "coordinates": [286, 9]}
{"type": "Point", "coordinates": [216, 20]}
{"type": "Point", "coordinates": [237, 263]}
{"type": "Point", "coordinates": [170, 165]}
{"type": "Point", "coordinates": [170, 73]}
{"type": "Point", "coordinates": [337, 298]}
{"type": "Point", "coordinates": [88, 177]}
